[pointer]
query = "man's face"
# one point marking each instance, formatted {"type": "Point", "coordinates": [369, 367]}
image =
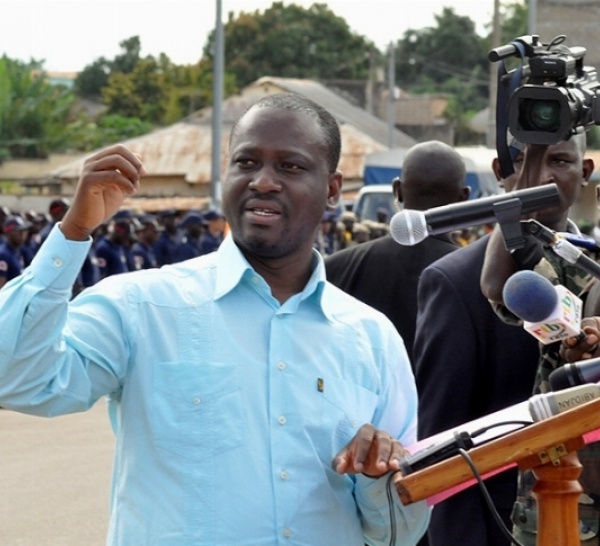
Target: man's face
{"type": "Point", "coordinates": [277, 183]}
{"type": "Point", "coordinates": [17, 237]}
{"type": "Point", "coordinates": [563, 165]}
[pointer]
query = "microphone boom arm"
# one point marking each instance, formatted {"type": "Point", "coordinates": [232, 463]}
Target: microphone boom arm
{"type": "Point", "coordinates": [561, 247]}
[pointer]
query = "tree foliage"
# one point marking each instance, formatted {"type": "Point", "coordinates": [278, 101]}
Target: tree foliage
{"type": "Point", "coordinates": [293, 42]}
{"type": "Point", "coordinates": [33, 113]}
{"type": "Point", "coordinates": [86, 134]}
{"type": "Point", "coordinates": [140, 93]}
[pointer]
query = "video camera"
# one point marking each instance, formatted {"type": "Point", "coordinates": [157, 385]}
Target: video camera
{"type": "Point", "coordinates": [556, 94]}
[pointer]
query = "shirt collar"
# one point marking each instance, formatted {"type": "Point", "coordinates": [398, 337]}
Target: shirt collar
{"type": "Point", "coordinates": [232, 267]}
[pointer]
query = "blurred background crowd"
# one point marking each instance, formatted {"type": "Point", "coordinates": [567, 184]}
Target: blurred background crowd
{"type": "Point", "coordinates": [133, 241]}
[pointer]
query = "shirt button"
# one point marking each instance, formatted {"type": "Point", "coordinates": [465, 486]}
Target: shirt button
{"type": "Point", "coordinates": [281, 365]}
{"type": "Point", "coordinates": [284, 475]}
{"type": "Point", "coordinates": [287, 533]}
{"type": "Point", "coordinates": [57, 262]}
{"type": "Point", "coordinates": [197, 400]}
{"type": "Point", "coordinates": [282, 420]}
{"type": "Point", "coordinates": [255, 280]}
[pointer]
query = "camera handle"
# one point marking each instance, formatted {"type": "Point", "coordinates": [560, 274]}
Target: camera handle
{"type": "Point", "coordinates": [506, 88]}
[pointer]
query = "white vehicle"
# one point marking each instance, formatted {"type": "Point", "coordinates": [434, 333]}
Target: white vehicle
{"type": "Point", "coordinates": [373, 197]}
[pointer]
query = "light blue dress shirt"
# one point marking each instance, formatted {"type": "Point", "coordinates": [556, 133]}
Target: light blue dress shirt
{"type": "Point", "coordinates": [230, 405]}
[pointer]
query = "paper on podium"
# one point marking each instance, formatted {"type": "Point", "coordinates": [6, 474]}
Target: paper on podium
{"type": "Point", "coordinates": [517, 414]}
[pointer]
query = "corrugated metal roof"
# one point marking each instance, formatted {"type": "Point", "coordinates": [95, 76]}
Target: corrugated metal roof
{"type": "Point", "coordinates": [344, 111]}
{"type": "Point", "coordinates": [184, 148]}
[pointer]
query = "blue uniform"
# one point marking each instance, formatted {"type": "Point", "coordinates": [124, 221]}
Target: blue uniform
{"type": "Point", "coordinates": [210, 242]}
{"type": "Point", "coordinates": [12, 261]}
{"type": "Point", "coordinates": [111, 258]}
{"type": "Point", "coordinates": [143, 256]}
{"type": "Point", "coordinates": [165, 248]}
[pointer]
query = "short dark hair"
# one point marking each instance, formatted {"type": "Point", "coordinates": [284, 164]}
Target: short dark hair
{"type": "Point", "coordinates": [299, 103]}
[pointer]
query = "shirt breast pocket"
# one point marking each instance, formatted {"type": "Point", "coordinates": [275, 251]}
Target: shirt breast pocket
{"type": "Point", "coordinates": [199, 410]}
{"type": "Point", "coordinates": [346, 407]}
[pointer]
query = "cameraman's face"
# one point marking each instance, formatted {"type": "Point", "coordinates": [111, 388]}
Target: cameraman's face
{"type": "Point", "coordinates": [561, 164]}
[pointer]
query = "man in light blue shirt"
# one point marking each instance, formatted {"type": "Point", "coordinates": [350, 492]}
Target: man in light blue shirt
{"type": "Point", "coordinates": [254, 403]}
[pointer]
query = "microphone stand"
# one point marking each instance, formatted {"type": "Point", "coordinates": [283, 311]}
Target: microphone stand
{"type": "Point", "coordinates": [561, 247]}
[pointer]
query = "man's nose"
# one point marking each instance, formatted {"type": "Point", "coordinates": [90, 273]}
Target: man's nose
{"type": "Point", "coordinates": [265, 181]}
{"type": "Point", "coordinates": [546, 174]}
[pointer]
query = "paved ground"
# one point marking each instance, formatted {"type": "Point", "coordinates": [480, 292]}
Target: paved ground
{"type": "Point", "coordinates": [55, 479]}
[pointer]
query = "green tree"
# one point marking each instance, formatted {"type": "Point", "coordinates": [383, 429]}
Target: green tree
{"type": "Point", "coordinates": [190, 88]}
{"type": "Point", "coordinates": [33, 113]}
{"type": "Point", "coordinates": [432, 56]}
{"type": "Point", "coordinates": [129, 57]}
{"type": "Point", "coordinates": [292, 41]}
{"type": "Point", "coordinates": [92, 79]}
{"type": "Point", "coordinates": [86, 135]}
{"type": "Point", "coordinates": [514, 21]}
{"type": "Point", "coordinates": [94, 76]}
{"type": "Point", "coordinates": [120, 97]}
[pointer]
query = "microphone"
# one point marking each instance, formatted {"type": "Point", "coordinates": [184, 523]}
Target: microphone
{"type": "Point", "coordinates": [544, 406]}
{"type": "Point", "coordinates": [409, 227]}
{"type": "Point", "coordinates": [550, 313]}
{"type": "Point", "coordinates": [574, 374]}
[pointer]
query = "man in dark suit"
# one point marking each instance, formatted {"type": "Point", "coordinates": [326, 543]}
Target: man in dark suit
{"type": "Point", "coordinates": [383, 273]}
{"type": "Point", "coordinates": [468, 363]}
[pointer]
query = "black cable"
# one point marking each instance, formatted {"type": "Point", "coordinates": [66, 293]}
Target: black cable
{"type": "Point", "coordinates": [390, 498]}
{"type": "Point", "coordinates": [464, 454]}
{"type": "Point", "coordinates": [488, 498]}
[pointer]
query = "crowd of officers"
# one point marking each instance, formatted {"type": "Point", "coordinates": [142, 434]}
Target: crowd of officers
{"type": "Point", "coordinates": [128, 242]}
{"type": "Point", "coordinates": [140, 241]}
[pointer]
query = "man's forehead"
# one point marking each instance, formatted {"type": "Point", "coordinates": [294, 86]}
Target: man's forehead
{"type": "Point", "coordinates": [277, 127]}
{"type": "Point", "coordinates": [259, 115]}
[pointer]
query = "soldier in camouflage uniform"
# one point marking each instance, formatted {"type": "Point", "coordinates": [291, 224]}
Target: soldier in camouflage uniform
{"type": "Point", "coordinates": [564, 165]}
{"type": "Point", "coordinates": [524, 512]}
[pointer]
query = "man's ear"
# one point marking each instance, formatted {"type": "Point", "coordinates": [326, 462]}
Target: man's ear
{"type": "Point", "coordinates": [335, 189]}
{"type": "Point", "coordinates": [397, 189]}
{"type": "Point", "coordinates": [588, 168]}
{"type": "Point", "coordinates": [496, 169]}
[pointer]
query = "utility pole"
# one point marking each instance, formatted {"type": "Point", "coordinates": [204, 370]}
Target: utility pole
{"type": "Point", "coordinates": [490, 138]}
{"type": "Point", "coordinates": [217, 114]}
{"type": "Point", "coordinates": [391, 110]}
{"type": "Point", "coordinates": [532, 20]}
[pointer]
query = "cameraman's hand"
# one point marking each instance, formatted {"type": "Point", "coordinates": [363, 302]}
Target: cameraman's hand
{"type": "Point", "coordinates": [107, 178]}
{"type": "Point", "coordinates": [528, 167]}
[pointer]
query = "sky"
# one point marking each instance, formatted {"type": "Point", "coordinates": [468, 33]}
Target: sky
{"type": "Point", "coordinates": [70, 34]}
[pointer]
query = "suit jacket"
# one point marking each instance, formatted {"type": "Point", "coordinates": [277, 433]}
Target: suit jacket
{"type": "Point", "coordinates": [385, 275]}
{"type": "Point", "coordinates": [468, 363]}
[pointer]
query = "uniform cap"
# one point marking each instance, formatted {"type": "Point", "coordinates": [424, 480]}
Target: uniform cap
{"type": "Point", "coordinates": [15, 223]}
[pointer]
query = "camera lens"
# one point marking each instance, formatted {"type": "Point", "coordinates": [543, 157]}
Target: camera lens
{"type": "Point", "coordinates": [540, 115]}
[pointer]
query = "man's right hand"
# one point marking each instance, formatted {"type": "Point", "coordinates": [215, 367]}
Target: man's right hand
{"type": "Point", "coordinates": [108, 177]}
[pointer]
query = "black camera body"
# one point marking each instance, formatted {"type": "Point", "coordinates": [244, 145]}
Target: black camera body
{"type": "Point", "coordinates": [557, 94]}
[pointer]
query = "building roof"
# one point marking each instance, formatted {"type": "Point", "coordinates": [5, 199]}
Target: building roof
{"type": "Point", "coordinates": [185, 148]}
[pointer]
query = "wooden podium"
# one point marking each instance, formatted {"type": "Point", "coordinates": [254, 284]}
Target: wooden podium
{"type": "Point", "coordinates": [548, 448]}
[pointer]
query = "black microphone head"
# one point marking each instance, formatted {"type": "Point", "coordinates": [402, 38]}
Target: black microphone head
{"type": "Point", "coordinates": [564, 377]}
{"type": "Point", "coordinates": [575, 373]}
{"type": "Point", "coordinates": [408, 227]}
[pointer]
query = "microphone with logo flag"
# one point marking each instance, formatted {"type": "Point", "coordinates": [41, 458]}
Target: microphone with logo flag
{"type": "Point", "coordinates": [549, 312]}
